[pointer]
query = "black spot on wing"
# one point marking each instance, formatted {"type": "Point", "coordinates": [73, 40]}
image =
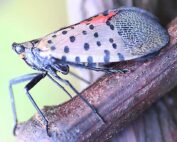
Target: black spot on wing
{"type": "Point", "coordinates": [77, 59]}
{"type": "Point", "coordinates": [105, 13]}
{"type": "Point", "coordinates": [54, 36]}
{"type": "Point", "coordinates": [96, 35]}
{"type": "Point", "coordinates": [114, 46]}
{"type": "Point", "coordinates": [90, 59]}
{"type": "Point", "coordinates": [72, 38]}
{"type": "Point", "coordinates": [64, 32]}
{"type": "Point", "coordinates": [86, 46]}
{"type": "Point", "coordinates": [106, 56]}
{"type": "Point", "coordinates": [91, 27]}
{"type": "Point", "coordinates": [108, 23]}
{"type": "Point", "coordinates": [84, 32]}
{"type": "Point", "coordinates": [98, 43]}
{"type": "Point", "coordinates": [49, 41]}
{"type": "Point", "coordinates": [52, 48]}
{"type": "Point", "coordinates": [72, 27]}
{"type": "Point", "coordinates": [66, 49]}
{"type": "Point", "coordinates": [63, 58]}
{"type": "Point", "coordinates": [111, 40]}
{"type": "Point", "coordinates": [121, 57]}
{"type": "Point", "coordinates": [112, 27]}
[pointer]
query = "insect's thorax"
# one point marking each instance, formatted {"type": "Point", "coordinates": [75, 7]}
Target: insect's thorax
{"type": "Point", "coordinates": [33, 59]}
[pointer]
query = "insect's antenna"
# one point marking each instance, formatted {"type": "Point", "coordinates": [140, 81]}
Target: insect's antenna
{"type": "Point", "coordinates": [80, 78]}
{"type": "Point", "coordinates": [51, 78]}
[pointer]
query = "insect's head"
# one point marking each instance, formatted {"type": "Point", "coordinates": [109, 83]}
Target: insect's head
{"type": "Point", "coordinates": [22, 48]}
{"type": "Point", "coordinates": [30, 53]}
{"type": "Point", "coordinates": [27, 51]}
{"type": "Point", "coordinates": [18, 48]}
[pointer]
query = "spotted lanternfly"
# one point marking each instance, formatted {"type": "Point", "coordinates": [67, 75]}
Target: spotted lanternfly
{"type": "Point", "coordinates": [112, 36]}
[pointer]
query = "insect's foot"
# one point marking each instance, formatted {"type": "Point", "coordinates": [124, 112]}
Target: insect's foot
{"type": "Point", "coordinates": [102, 119]}
{"type": "Point", "coordinates": [47, 129]}
{"type": "Point", "coordinates": [118, 70]}
{"type": "Point", "coordinates": [125, 70]}
{"type": "Point", "coordinates": [99, 115]}
{"type": "Point", "coordinates": [14, 130]}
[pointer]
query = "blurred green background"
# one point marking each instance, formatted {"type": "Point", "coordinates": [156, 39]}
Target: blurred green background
{"type": "Point", "coordinates": [23, 20]}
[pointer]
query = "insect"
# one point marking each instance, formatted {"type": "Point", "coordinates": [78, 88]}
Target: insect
{"type": "Point", "coordinates": [112, 36]}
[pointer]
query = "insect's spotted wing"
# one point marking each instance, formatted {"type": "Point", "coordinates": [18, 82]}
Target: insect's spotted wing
{"type": "Point", "coordinates": [112, 36]}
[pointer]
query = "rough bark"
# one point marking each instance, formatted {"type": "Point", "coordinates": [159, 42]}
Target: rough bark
{"type": "Point", "coordinates": [157, 124]}
{"type": "Point", "coordinates": [119, 98]}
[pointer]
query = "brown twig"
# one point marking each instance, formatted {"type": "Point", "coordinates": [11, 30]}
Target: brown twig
{"type": "Point", "coordinates": [157, 124]}
{"type": "Point", "coordinates": [119, 98]}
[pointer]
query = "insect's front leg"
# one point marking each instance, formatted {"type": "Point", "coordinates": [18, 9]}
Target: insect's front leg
{"type": "Point", "coordinates": [15, 81]}
{"type": "Point", "coordinates": [77, 93]}
{"type": "Point", "coordinates": [28, 87]}
{"type": "Point", "coordinates": [34, 79]}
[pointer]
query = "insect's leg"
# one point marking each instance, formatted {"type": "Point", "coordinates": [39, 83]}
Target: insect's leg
{"type": "Point", "coordinates": [14, 82]}
{"type": "Point", "coordinates": [106, 70]}
{"type": "Point", "coordinates": [78, 94]}
{"type": "Point", "coordinates": [102, 69]}
{"type": "Point", "coordinates": [28, 87]}
{"type": "Point", "coordinates": [80, 78]}
{"type": "Point", "coordinates": [59, 85]}
{"type": "Point", "coordinates": [64, 68]}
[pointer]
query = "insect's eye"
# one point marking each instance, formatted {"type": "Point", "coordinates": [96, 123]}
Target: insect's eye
{"type": "Point", "coordinates": [18, 48]}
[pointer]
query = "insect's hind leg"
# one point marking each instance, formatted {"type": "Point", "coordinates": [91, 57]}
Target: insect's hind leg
{"type": "Point", "coordinates": [12, 82]}
{"type": "Point", "coordinates": [109, 70]}
{"type": "Point", "coordinates": [79, 77]}
{"type": "Point", "coordinates": [59, 85]}
{"type": "Point", "coordinates": [77, 93]}
{"type": "Point", "coordinates": [102, 69]}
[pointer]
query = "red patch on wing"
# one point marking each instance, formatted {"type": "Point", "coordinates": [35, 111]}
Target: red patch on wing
{"type": "Point", "coordinates": [99, 19]}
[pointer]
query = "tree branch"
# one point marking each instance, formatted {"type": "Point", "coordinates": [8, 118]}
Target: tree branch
{"type": "Point", "coordinates": [157, 124]}
{"type": "Point", "coordinates": [119, 98]}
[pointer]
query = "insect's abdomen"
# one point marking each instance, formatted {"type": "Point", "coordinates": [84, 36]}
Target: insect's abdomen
{"type": "Point", "coordinates": [112, 36]}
